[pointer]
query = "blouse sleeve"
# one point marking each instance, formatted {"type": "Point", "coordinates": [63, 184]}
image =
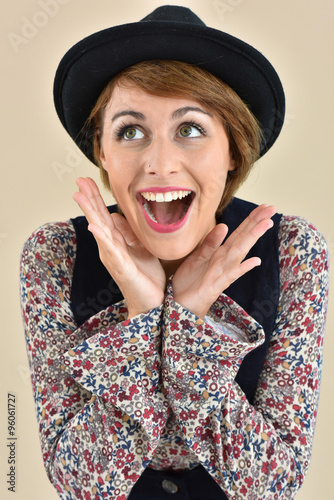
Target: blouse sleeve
{"type": "Point", "coordinates": [260, 451]}
{"type": "Point", "coordinates": [97, 394]}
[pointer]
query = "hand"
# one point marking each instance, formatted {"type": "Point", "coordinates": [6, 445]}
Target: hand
{"type": "Point", "coordinates": [212, 267]}
{"type": "Point", "coordinates": [138, 274]}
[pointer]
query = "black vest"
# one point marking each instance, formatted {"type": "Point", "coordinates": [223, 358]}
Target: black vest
{"type": "Point", "coordinates": [257, 292]}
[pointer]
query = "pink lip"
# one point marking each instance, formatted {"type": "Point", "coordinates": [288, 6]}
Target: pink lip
{"type": "Point", "coordinates": [161, 228]}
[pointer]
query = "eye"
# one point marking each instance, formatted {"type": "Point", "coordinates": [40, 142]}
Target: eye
{"type": "Point", "coordinates": [128, 132]}
{"type": "Point", "coordinates": [191, 130]}
{"type": "Point", "coordinates": [132, 133]}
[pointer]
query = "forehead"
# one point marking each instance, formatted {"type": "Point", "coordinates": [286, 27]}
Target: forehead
{"type": "Point", "coordinates": [131, 97]}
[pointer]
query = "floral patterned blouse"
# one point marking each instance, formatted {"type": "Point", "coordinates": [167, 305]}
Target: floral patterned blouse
{"type": "Point", "coordinates": [115, 396]}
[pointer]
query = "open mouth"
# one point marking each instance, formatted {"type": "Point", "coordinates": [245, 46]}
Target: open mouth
{"type": "Point", "coordinates": [166, 210]}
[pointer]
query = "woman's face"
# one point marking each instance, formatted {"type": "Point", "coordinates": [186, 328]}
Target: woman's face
{"type": "Point", "coordinates": [167, 161]}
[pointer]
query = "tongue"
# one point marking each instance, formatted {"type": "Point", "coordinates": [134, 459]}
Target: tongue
{"type": "Point", "coordinates": [168, 212]}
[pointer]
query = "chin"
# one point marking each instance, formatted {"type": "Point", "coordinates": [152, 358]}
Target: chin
{"type": "Point", "coordinates": [170, 252]}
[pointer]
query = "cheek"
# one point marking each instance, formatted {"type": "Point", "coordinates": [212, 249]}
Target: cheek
{"type": "Point", "coordinates": [117, 171]}
{"type": "Point", "coordinates": [211, 175]}
{"type": "Point", "coordinates": [116, 189]}
{"type": "Point", "coordinates": [114, 177]}
{"type": "Point", "coordinates": [216, 180]}
{"type": "Point", "coordinates": [120, 181]}
{"type": "Point", "coordinates": [120, 162]}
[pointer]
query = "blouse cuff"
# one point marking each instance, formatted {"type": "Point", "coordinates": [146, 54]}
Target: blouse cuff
{"type": "Point", "coordinates": [199, 362]}
{"type": "Point", "coordinates": [120, 363]}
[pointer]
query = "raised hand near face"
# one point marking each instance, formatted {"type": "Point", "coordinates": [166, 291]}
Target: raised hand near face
{"type": "Point", "coordinates": [138, 273]}
{"type": "Point", "coordinates": [213, 266]}
{"type": "Point", "coordinates": [198, 281]}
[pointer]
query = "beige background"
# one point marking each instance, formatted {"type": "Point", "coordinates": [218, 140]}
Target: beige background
{"type": "Point", "coordinates": [40, 165]}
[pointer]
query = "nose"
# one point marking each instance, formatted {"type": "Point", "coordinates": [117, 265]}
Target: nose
{"type": "Point", "coordinates": [161, 158]}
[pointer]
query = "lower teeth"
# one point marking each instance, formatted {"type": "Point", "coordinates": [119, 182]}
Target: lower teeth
{"type": "Point", "coordinates": [151, 215]}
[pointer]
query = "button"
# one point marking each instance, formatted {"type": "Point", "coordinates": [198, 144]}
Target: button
{"type": "Point", "coordinates": [169, 486]}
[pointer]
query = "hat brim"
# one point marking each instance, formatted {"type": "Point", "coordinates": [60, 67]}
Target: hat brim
{"type": "Point", "coordinates": [90, 64]}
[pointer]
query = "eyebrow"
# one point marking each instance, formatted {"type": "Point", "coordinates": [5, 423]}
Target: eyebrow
{"type": "Point", "coordinates": [178, 113]}
{"type": "Point", "coordinates": [135, 114]}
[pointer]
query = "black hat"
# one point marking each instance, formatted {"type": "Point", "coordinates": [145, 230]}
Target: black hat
{"type": "Point", "coordinates": [174, 33]}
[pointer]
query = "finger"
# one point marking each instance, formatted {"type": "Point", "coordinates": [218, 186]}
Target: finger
{"type": "Point", "coordinates": [125, 229]}
{"type": "Point", "coordinates": [224, 279]}
{"type": "Point", "coordinates": [85, 188]}
{"type": "Point", "coordinates": [115, 257]}
{"type": "Point", "coordinates": [93, 216]}
{"type": "Point", "coordinates": [99, 234]}
{"type": "Point", "coordinates": [97, 197]}
{"type": "Point", "coordinates": [260, 213]}
{"type": "Point", "coordinates": [91, 203]}
{"type": "Point", "coordinates": [243, 244]}
{"type": "Point", "coordinates": [88, 187]}
{"type": "Point", "coordinates": [250, 230]}
{"type": "Point", "coordinates": [211, 242]}
{"type": "Point", "coordinates": [108, 246]}
{"type": "Point", "coordinates": [248, 264]}
{"type": "Point", "coordinates": [88, 209]}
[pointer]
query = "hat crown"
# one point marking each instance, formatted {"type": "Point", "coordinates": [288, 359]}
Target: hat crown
{"type": "Point", "coordinates": [174, 13]}
{"type": "Point", "coordinates": [173, 33]}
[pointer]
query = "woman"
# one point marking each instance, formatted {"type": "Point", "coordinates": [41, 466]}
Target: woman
{"type": "Point", "coordinates": [181, 355]}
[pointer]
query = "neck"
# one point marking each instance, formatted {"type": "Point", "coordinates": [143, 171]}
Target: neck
{"type": "Point", "coordinates": [170, 266]}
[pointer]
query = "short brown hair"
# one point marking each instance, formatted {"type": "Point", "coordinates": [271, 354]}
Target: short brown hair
{"type": "Point", "coordinates": [178, 79]}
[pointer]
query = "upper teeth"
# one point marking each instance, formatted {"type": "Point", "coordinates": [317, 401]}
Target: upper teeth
{"type": "Point", "coordinates": [168, 196]}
